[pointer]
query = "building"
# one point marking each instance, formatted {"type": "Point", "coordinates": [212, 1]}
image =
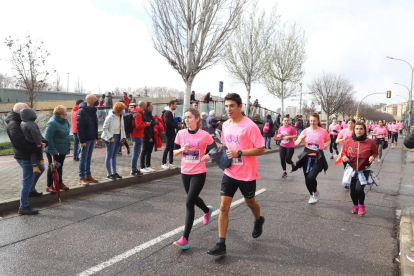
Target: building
{"type": "Point", "coordinates": [378, 105]}
{"type": "Point", "coordinates": [292, 111]}
{"type": "Point", "coordinates": [279, 110]}
{"type": "Point", "coordinates": [401, 109]}
{"type": "Point", "coordinates": [390, 109]}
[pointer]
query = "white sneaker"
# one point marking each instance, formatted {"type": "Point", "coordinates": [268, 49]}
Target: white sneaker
{"type": "Point", "coordinates": [144, 170]}
{"type": "Point", "coordinates": [316, 197]}
{"type": "Point", "coordinates": [171, 166]}
{"type": "Point", "coordinates": [311, 200]}
{"type": "Point", "coordinates": [379, 160]}
{"type": "Point", "coordinates": [150, 169]}
{"type": "Point", "coordinates": [165, 167]}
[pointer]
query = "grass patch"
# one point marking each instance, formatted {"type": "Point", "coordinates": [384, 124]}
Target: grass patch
{"type": "Point", "coordinates": [6, 152]}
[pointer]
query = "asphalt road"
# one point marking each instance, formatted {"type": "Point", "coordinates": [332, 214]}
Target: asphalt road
{"type": "Point", "coordinates": [298, 239]}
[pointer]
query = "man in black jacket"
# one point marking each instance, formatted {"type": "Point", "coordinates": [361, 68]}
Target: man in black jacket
{"type": "Point", "coordinates": [409, 140]}
{"type": "Point", "coordinates": [87, 126]}
{"type": "Point", "coordinates": [148, 140]}
{"type": "Point", "coordinates": [22, 151]}
{"type": "Point", "coordinates": [170, 127]}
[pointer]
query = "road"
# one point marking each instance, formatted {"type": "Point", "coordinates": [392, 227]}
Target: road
{"type": "Point", "coordinates": [298, 239]}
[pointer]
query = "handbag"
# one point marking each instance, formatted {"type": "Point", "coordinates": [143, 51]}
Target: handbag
{"type": "Point", "coordinates": [219, 156]}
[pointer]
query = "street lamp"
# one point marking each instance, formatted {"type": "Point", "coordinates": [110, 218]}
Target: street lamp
{"type": "Point", "coordinates": [410, 96]}
{"type": "Point", "coordinates": [300, 103]}
{"type": "Point", "coordinates": [67, 89]}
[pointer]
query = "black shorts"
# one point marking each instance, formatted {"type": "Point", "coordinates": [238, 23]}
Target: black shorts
{"type": "Point", "coordinates": [230, 185]}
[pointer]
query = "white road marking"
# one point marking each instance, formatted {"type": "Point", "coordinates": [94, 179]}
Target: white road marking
{"type": "Point", "coordinates": [150, 243]}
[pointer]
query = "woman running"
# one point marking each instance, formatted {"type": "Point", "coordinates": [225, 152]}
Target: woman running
{"type": "Point", "coordinates": [346, 134]}
{"type": "Point", "coordinates": [380, 132]}
{"type": "Point", "coordinates": [360, 153]}
{"type": "Point", "coordinates": [190, 143]}
{"type": "Point", "coordinates": [312, 159]}
{"type": "Point", "coordinates": [334, 129]}
{"type": "Point", "coordinates": [287, 146]}
{"type": "Point", "coordinates": [394, 133]}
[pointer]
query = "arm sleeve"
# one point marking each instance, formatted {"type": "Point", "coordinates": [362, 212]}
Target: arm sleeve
{"type": "Point", "coordinates": [256, 137]}
{"type": "Point", "coordinates": [209, 139]}
{"type": "Point", "coordinates": [169, 120]}
{"type": "Point", "coordinates": [80, 127]}
{"type": "Point", "coordinates": [49, 134]}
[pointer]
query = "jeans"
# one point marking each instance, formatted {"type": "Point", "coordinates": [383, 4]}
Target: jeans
{"type": "Point", "coordinates": [75, 146]}
{"type": "Point", "coordinates": [111, 154]}
{"type": "Point", "coordinates": [29, 181]}
{"type": "Point", "coordinates": [136, 151]}
{"type": "Point", "coordinates": [169, 148]}
{"type": "Point", "coordinates": [60, 159]}
{"type": "Point", "coordinates": [146, 153]}
{"type": "Point", "coordinates": [85, 159]}
{"type": "Point", "coordinates": [268, 139]}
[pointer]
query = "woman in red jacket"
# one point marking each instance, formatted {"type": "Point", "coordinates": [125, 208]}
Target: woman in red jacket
{"type": "Point", "coordinates": [359, 152]}
{"type": "Point", "coordinates": [74, 131]}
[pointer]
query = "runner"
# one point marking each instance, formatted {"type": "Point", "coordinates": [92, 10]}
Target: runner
{"type": "Point", "coordinates": [312, 159]}
{"type": "Point", "coordinates": [334, 129]}
{"type": "Point", "coordinates": [389, 130]}
{"type": "Point", "coordinates": [244, 141]}
{"type": "Point", "coordinates": [360, 153]}
{"type": "Point", "coordinates": [345, 134]}
{"type": "Point", "coordinates": [287, 146]}
{"type": "Point", "coordinates": [380, 132]}
{"type": "Point", "coordinates": [394, 133]}
{"type": "Point", "coordinates": [191, 143]}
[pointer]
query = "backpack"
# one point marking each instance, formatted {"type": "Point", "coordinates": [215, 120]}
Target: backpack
{"type": "Point", "coordinates": [128, 119]}
{"type": "Point", "coordinates": [296, 124]}
{"type": "Point", "coordinates": [266, 127]}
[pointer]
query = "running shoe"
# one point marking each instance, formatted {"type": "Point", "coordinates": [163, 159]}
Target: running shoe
{"type": "Point", "coordinates": [165, 167]}
{"type": "Point", "coordinates": [137, 173]}
{"type": "Point", "coordinates": [396, 144]}
{"type": "Point", "coordinates": [346, 187]}
{"type": "Point", "coordinates": [150, 169]}
{"type": "Point", "coordinates": [144, 170]}
{"type": "Point", "coordinates": [379, 160]}
{"type": "Point", "coordinates": [284, 175]}
{"type": "Point", "coordinates": [182, 243]}
{"type": "Point", "coordinates": [117, 176]}
{"type": "Point", "coordinates": [218, 250]}
{"type": "Point", "coordinates": [337, 152]}
{"type": "Point", "coordinates": [316, 197]}
{"type": "Point", "coordinates": [311, 200]}
{"type": "Point", "coordinates": [111, 177]}
{"type": "Point", "coordinates": [361, 210]}
{"type": "Point", "coordinates": [171, 166]}
{"type": "Point", "coordinates": [331, 157]}
{"type": "Point", "coordinates": [258, 227]}
{"type": "Point", "coordinates": [354, 209]}
{"type": "Point", "coordinates": [207, 217]}
{"type": "Point", "coordinates": [269, 148]}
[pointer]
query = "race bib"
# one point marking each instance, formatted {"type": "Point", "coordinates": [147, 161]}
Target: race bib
{"type": "Point", "coordinates": [237, 161]}
{"type": "Point", "coordinates": [191, 156]}
{"type": "Point", "coordinates": [284, 141]}
{"type": "Point", "coordinates": [313, 146]}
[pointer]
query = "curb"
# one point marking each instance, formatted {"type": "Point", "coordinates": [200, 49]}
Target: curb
{"type": "Point", "coordinates": [14, 203]}
{"type": "Point", "coordinates": [406, 241]}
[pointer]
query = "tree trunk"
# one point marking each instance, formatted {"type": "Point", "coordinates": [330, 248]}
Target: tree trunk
{"type": "Point", "coordinates": [247, 109]}
{"type": "Point", "coordinates": [282, 98]}
{"type": "Point", "coordinates": [187, 94]}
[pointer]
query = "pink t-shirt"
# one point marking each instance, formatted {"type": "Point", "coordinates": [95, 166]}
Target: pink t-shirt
{"type": "Point", "coordinates": [245, 135]}
{"type": "Point", "coordinates": [345, 132]}
{"type": "Point", "coordinates": [394, 128]}
{"type": "Point", "coordinates": [315, 138]}
{"type": "Point", "coordinates": [191, 162]}
{"type": "Point", "coordinates": [344, 125]}
{"type": "Point", "coordinates": [287, 131]}
{"type": "Point", "coordinates": [401, 126]}
{"type": "Point", "coordinates": [382, 132]}
{"type": "Point", "coordinates": [333, 127]}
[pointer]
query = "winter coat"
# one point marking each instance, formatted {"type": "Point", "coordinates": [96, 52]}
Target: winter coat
{"type": "Point", "coordinates": [57, 133]}
{"type": "Point", "coordinates": [108, 101]}
{"type": "Point", "coordinates": [409, 140]}
{"type": "Point", "coordinates": [148, 131]}
{"type": "Point", "coordinates": [108, 129]}
{"type": "Point", "coordinates": [73, 114]}
{"type": "Point", "coordinates": [158, 129]}
{"type": "Point", "coordinates": [126, 101]}
{"type": "Point", "coordinates": [302, 159]}
{"type": "Point", "coordinates": [21, 147]}
{"type": "Point", "coordinates": [204, 125]}
{"type": "Point", "coordinates": [207, 98]}
{"type": "Point", "coordinates": [358, 153]}
{"type": "Point", "coordinates": [138, 123]}
{"type": "Point", "coordinates": [29, 128]}
{"type": "Point", "coordinates": [271, 133]}
{"type": "Point", "coordinates": [192, 98]}
{"type": "Point", "coordinates": [169, 125]}
{"type": "Point", "coordinates": [87, 123]}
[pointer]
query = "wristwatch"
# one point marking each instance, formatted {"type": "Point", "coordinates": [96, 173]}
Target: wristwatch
{"type": "Point", "coordinates": [240, 153]}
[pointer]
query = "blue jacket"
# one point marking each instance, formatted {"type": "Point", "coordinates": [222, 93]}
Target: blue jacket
{"type": "Point", "coordinates": [57, 134]}
{"type": "Point", "coordinates": [87, 123]}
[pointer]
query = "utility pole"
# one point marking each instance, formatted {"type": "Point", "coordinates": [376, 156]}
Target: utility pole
{"type": "Point", "coordinates": [67, 89]}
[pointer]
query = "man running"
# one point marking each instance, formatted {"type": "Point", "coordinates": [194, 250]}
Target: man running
{"type": "Point", "coordinates": [244, 141]}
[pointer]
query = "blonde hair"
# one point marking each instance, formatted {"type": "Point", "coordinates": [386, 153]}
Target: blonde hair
{"type": "Point", "coordinates": [118, 108]}
{"type": "Point", "coordinates": [59, 110]}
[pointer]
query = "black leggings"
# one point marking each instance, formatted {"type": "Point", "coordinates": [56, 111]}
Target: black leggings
{"type": "Point", "coordinates": [380, 145]}
{"type": "Point", "coordinates": [357, 190]}
{"type": "Point", "coordinates": [389, 134]}
{"type": "Point", "coordinates": [333, 145]}
{"type": "Point", "coordinates": [193, 184]}
{"type": "Point", "coordinates": [286, 156]}
{"type": "Point", "coordinates": [394, 137]}
{"type": "Point", "coordinates": [310, 178]}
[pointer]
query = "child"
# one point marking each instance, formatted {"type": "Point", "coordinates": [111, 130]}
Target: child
{"type": "Point", "coordinates": [32, 134]}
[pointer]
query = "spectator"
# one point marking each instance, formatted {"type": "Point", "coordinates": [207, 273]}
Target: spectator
{"type": "Point", "coordinates": [136, 135]}
{"type": "Point", "coordinates": [277, 122]}
{"type": "Point", "coordinates": [108, 100]}
{"type": "Point", "coordinates": [207, 98]}
{"type": "Point", "coordinates": [409, 140]}
{"type": "Point", "coordinates": [101, 102]}
{"type": "Point", "coordinates": [212, 123]}
{"type": "Point", "coordinates": [74, 130]}
{"type": "Point", "coordinates": [22, 151]}
{"type": "Point", "coordinates": [57, 134]}
{"type": "Point", "coordinates": [125, 99]}
{"type": "Point", "coordinates": [170, 127]}
{"type": "Point", "coordinates": [204, 125]}
{"type": "Point", "coordinates": [113, 134]}
{"type": "Point", "coordinates": [299, 125]}
{"type": "Point", "coordinates": [195, 105]}
{"type": "Point", "coordinates": [192, 97]}
{"type": "Point", "coordinates": [270, 133]}
{"type": "Point", "coordinates": [158, 128]}
{"type": "Point", "coordinates": [87, 126]}
{"type": "Point", "coordinates": [131, 99]}
{"type": "Point", "coordinates": [148, 141]}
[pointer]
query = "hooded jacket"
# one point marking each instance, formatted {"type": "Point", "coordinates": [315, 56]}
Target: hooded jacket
{"type": "Point", "coordinates": [30, 129]}
{"type": "Point", "coordinates": [87, 123]}
{"type": "Point", "coordinates": [73, 114]}
{"type": "Point", "coordinates": [57, 134]}
{"type": "Point", "coordinates": [358, 153]}
{"type": "Point", "coordinates": [148, 131]}
{"type": "Point", "coordinates": [138, 123]}
{"type": "Point", "coordinates": [302, 159]}
{"type": "Point", "coordinates": [21, 147]}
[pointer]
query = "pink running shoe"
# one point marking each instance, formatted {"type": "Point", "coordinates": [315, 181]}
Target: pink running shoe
{"type": "Point", "coordinates": [361, 210]}
{"type": "Point", "coordinates": [182, 243]}
{"type": "Point", "coordinates": [207, 217]}
{"type": "Point", "coordinates": [354, 209]}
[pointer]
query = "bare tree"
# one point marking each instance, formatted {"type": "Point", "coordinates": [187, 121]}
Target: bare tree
{"type": "Point", "coordinates": [28, 61]}
{"type": "Point", "coordinates": [5, 81]}
{"type": "Point", "coordinates": [286, 58]}
{"type": "Point", "coordinates": [57, 86]}
{"type": "Point", "coordinates": [79, 88]}
{"type": "Point", "coordinates": [192, 34]}
{"type": "Point", "coordinates": [331, 92]}
{"type": "Point", "coordinates": [245, 54]}
{"type": "Point", "coordinates": [348, 110]}
{"type": "Point", "coordinates": [307, 110]}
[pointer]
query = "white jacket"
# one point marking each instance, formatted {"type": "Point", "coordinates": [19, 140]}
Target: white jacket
{"type": "Point", "coordinates": [109, 126]}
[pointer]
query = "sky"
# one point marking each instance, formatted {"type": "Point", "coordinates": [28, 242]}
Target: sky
{"type": "Point", "coordinates": [107, 44]}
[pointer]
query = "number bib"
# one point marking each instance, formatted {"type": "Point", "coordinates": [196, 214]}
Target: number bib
{"type": "Point", "coordinates": [191, 156]}
{"type": "Point", "coordinates": [238, 161]}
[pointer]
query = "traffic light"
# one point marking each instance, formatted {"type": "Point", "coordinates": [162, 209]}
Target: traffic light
{"type": "Point", "coordinates": [220, 86]}
{"type": "Point", "coordinates": [388, 94]}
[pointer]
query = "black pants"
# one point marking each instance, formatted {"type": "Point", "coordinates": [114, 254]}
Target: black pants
{"type": "Point", "coordinates": [169, 148]}
{"type": "Point", "coordinates": [34, 157]}
{"type": "Point", "coordinates": [147, 147]}
{"type": "Point", "coordinates": [193, 184]}
{"type": "Point", "coordinates": [357, 190]}
{"type": "Point", "coordinates": [60, 159]}
{"type": "Point", "coordinates": [389, 134]}
{"type": "Point", "coordinates": [394, 137]}
{"type": "Point", "coordinates": [310, 177]}
{"type": "Point", "coordinates": [286, 156]}
{"type": "Point", "coordinates": [333, 145]}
